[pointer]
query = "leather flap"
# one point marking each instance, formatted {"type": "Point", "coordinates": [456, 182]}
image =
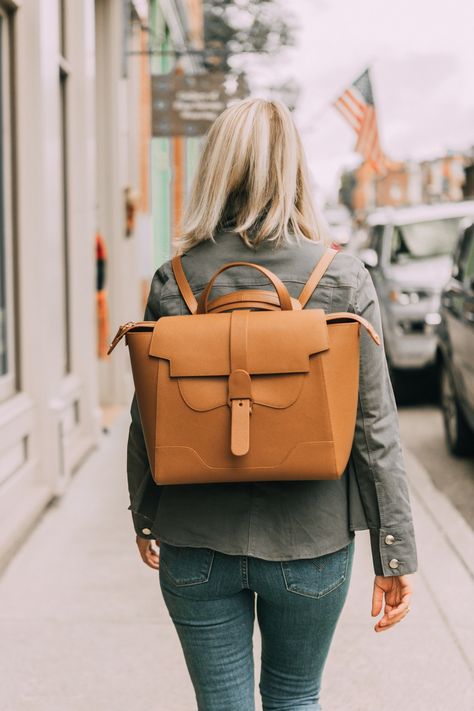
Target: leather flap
{"type": "Point", "coordinates": [277, 342]}
{"type": "Point", "coordinates": [278, 392]}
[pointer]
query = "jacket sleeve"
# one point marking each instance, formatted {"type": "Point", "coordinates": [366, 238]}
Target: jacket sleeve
{"type": "Point", "coordinates": [143, 490]}
{"type": "Point", "coordinates": [377, 454]}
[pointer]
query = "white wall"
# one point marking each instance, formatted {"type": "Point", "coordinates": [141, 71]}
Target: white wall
{"type": "Point", "coordinates": [117, 167]}
{"type": "Point", "coordinates": [50, 426]}
{"type": "Point", "coordinates": [53, 419]}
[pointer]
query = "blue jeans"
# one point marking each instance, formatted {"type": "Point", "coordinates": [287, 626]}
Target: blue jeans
{"type": "Point", "coordinates": [210, 597]}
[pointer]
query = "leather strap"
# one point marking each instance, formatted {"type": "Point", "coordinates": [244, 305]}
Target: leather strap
{"type": "Point", "coordinates": [248, 299]}
{"type": "Point", "coordinates": [316, 275]}
{"type": "Point", "coordinates": [240, 395]}
{"type": "Point", "coordinates": [240, 427]}
{"type": "Point", "coordinates": [283, 295]}
{"type": "Point", "coordinates": [125, 328]}
{"type": "Point", "coordinates": [347, 316]}
{"type": "Point", "coordinates": [303, 298]}
{"type": "Point", "coordinates": [183, 284]}
{"type": "Point", "coordinates": [238, 340]}
{"type": "Point", "coordinates": [243, 305]}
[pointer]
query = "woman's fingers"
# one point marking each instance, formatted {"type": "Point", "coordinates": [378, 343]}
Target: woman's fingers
{"type": "Point", "coordinates": [148, 554]}
{"type": "Point", "coordinates": [386, 624]}
{"type": "Point", "coordinates": [153, 561]}
{"type": "Point", "coordinates": [401, 607]}
{"type": "Point", "coordinates": [153, 557]}
{"type": "Point", "coordinates": [397, 592]}
{"type": "Point", "coordinates": [377, 599]}
{"type": "Point", "coordinates": [394, 615]}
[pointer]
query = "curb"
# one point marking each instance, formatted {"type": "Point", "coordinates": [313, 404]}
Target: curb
{"type": "Point", "coordinates": [447, 519]}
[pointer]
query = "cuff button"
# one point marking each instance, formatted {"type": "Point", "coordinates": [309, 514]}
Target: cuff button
{"type": "Point", "coordinates": [393, 563]}
{"type": "Point", "coordinates": [146, 531]}
{"type": "Point", "coordinates": [389, 539]}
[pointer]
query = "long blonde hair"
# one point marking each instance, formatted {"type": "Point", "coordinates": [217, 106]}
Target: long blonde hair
{"type": "Point", "coordinates": [252, 174]}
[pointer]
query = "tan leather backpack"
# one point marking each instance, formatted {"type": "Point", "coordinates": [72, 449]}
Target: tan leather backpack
{"type": "Point", "coordinates": [248, 387]}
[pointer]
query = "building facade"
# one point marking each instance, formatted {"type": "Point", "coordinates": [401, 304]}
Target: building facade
{"type": "Point", "coordinates": [49, 415]}
{"type": "Point", "coordinates": [442, 179]}
{"type": "Point", "coordinates": [175, 26]}
{"type": "Point", "coordinates": [76, 161]}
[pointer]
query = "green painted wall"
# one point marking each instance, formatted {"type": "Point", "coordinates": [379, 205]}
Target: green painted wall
{"type": "Point", "coordinates": [161, 151]}
{"type": "Point", "coordinates": [193, 151]}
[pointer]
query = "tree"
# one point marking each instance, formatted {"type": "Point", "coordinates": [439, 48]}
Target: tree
{"type": "Point", "coordinates": [235, 26]}
{"type": "Point", "coordinates": [346, 190]}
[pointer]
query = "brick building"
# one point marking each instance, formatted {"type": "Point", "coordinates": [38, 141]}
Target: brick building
{"type": "Point", "coordinates": [447, 178]}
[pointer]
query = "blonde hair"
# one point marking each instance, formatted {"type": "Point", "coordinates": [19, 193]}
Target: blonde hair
{"type": "Point", "coordinates": [252, 174]}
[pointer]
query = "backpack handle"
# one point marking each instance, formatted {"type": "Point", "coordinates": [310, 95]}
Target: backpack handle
{"type": "Point", "coordinates": [283, 295]}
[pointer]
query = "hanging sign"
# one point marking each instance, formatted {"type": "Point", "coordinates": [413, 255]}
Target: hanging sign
{"type": "Point", "coordinates": [187, 104]}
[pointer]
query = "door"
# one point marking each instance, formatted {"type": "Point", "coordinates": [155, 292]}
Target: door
{"type": "Point", "coordinates": [467, 353]}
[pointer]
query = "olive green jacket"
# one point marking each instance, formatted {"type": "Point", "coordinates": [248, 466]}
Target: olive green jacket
{"type": "Point", "coordinates": [282, 520]}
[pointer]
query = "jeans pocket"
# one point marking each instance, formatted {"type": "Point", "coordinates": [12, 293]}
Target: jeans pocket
{"type": "Point", "coordinates": [316, 577]}
{"type": "Point", "coordinates": [185, 565]}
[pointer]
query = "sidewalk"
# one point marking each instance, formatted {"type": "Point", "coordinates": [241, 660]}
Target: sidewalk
{"type": "Point", "coordinates": [83, 625]}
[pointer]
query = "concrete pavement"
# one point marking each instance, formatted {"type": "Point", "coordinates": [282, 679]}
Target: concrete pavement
{"type": "Point", "coordinates": [83, 625]}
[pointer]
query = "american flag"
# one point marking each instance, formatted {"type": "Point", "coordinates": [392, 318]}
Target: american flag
{"type": "Point", "coordinates": [356, 104]}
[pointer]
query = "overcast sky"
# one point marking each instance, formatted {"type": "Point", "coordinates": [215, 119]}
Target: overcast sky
{"type": "Point", "coordinates": [421, 54]}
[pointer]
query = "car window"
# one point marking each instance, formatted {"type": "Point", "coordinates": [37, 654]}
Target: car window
{"type": "Point", "coordinates": [465, 262]}
{"type": "Point", "coordinates": [420, 240]}
{"type": "Point", "coordinates": [375, 238]}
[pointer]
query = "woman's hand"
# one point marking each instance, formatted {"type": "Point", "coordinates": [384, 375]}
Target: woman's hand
{"type": "Point", "coordinates": [398, 592]}
{"type": "Point", "coordinates": [149, 554]}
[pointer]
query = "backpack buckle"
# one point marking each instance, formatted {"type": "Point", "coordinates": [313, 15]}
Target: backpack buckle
{"type": "Point", "coordinates": [240, 402]}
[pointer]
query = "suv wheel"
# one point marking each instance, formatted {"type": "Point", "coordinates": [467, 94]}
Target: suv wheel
{"type": "Point", "coordinates": [459, 436]}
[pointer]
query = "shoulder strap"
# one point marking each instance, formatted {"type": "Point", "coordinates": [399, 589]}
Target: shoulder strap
{"type": "Point", "coordinates": [303, 298]}
{"type": "Point", "coordinates": [183, 284]}
{"type": "Point", "coordinates": [316, 275]}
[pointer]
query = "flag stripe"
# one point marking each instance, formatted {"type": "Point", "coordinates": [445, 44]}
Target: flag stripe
{"type": "Point", "coordinates": [353, 119]}
{"type": "Point", "coordinates": [356, 105]}
{"type": "Point", "coordinates": [370, 132]}
{"type": "Point", "coordinates": [353, 106]}
{"type": "Point", "coordinates": [354, 98]}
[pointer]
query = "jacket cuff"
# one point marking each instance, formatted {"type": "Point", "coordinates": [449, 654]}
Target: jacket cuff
{"type": "Point", "coordinates": [394, 550]}
{"type": "Point", "coordinates": [143, 526]}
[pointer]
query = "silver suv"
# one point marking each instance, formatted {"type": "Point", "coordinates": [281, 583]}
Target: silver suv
{"type": "Point", "coordinates": [409, 253]}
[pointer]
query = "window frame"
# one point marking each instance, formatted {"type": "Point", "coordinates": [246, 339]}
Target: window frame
{"type": "Point", "coordinates": [64, 71]}
{"type": "Point", "coordinates": [8, 379]}
{"type": "Point", "coordinates": [465, 247]}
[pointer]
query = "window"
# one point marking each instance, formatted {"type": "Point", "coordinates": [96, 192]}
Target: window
{"type": "Point", "coordinates": [64, 71]}
{"type": "Point", "coordinates": [7, 331]}
{"type": "Point", "coordinates": [469, 267]}
{"type": "Point", "coordinates": [422, 240]}
{"type": "Point", "coordinates": [465, 262]}
{"type": "Point", "coordinates": [376, 238]}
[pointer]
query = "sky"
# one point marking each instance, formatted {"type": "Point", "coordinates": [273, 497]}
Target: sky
{"type": "Point", "coordinates": [421, 55]}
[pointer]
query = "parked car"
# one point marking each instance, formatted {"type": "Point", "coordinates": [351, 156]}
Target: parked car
{"type": "Point", "coordinates": [339, 221]}
{"type": "Point", "coordinates": [456, 342]}
{"type": "Point", "coordinates": [409, 253]}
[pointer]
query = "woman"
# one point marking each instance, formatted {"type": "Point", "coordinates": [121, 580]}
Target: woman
{"type": "Point", "coordinates": [285, 546]}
